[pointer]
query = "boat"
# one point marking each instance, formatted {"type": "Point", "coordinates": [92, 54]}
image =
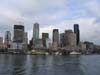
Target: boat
{"type": "Point", "coordinates": [75, 53]}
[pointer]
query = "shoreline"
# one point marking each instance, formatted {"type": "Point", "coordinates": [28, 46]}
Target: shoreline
{"type": "Point", "coordinates": [44, 54]}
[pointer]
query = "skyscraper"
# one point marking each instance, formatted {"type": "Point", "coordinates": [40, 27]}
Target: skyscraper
{"type": "Point", "coordinates": [56, 37]}
{"type": "Point", "coordinates": [25, 38]}
{"type": "Point", "coordinates": [77, 31]}
{"type": "Point", "coordinates": [72, 39]}
{"type": "Point", "coordinates": [18, 33]}
{"type": "Point", "coordinates": [37, 42]}
{"type": "Point", "coordinates": [7, 37]}
{"type": "Point", "coordinates": [44, 37]}
{"type": "Point", "coordinates": [25, 42]}
{"type": "Point", "coordinates": [18, 38]}
{"type": "Point", "coordinates": [36, 31]}
{"type": "Point", "coordinates": [62, 41]}
{"type": "Point", "coordinates": [67, 32]}
{"type": "Point", "coordinates": [48, 43]}
{"type": "Point", "coordinates": [1, 40]}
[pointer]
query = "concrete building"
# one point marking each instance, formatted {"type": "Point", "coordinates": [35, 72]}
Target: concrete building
{"type": "Point", "coordinates": [25, 42]}
{"type": "Point", "coordinates": [55, 37]}
{"type": "Point", "coordinates": [25, 38]}
{"type": "Point", "coordinates": [35, 34]}
{"type": "Point", "coordinates": [44, 37]}
{"type": "Point", "coordinates": [55, 46]}
{"type": "Point", "coordinates": [72, 39]}
{"type": "Point", "coordinates": [77, 31]}
{"type": "Point", "coordinates": [82, 46]}
{"type": "Point", "coordinates": [38, 44]}
{"type": "Point", "coordinates": [66, 40]}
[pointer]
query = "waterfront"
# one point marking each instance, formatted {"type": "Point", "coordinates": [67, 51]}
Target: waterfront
{"type": "Point", "coordinates": [49, 65]}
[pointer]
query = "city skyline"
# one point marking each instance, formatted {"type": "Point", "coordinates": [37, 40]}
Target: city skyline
{"type": "Point", "coordinates": [50, 33]}
{"type": "Point", "coordinates": [52, 15]}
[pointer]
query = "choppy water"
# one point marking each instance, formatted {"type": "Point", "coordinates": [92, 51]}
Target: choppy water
{"type": "Point", "coordinates": [49, 65]}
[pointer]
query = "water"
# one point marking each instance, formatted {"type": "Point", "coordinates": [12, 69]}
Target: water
{"type": "Point", "coordinates": [49, 65]}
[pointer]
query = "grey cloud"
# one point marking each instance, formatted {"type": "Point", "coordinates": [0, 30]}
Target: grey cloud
{"type": "Point", "coordinates": [50, 14]}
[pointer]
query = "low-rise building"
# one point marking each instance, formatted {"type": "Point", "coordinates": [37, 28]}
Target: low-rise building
{"type": "Point", "coordinates": [38, 43]}
{"type": "Point", "coordinates": [89, 45]}
{"type": "Point", "coordinates": [82, 46]}
{"type": "Point", "coordinates": [3, 46]}
{"type": "Point", "coordinates": [17, 46]}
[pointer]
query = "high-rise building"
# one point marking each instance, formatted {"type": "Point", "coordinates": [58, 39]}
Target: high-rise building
{"type": "Point", "coordinates": [25, 42]}
{"type": "Point", "coordinates": [25, 38]}
{"type": "Point", "coordinates": [37, 42]}
{"type": "Point", "coordinates": [72, 39]}
{"type": "Point", "coordinates": [66, 40]}
{"type": "Point", "coordinates": [44, 37]}
{"type": "Point", "coordinates": [1, 40]}
{"type": "Point", "coordinates": [48, 43]}
{"type": "Point", "coordinates": [7, 37]}
{"type": "Point", "coordinates": [18, 33]}
{"type": "Point", "coordinates": [18, 38]}
{"type": "Point", "coordinates": [62, 39]}
{"type": "Point", "coordinates": [36, 31]}
{"type": "Point", "coordinates": [56, 37]}
{"type": "Point", "coordinates": [35, 34]}
{"type": "Point", "coordinates": [77, 31]}
{"type": "Point", "coordinates": [69, 39]}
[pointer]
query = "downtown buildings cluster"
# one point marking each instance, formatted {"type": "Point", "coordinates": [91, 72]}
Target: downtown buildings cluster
{"type": "Point", "coordinates": [69, 40]}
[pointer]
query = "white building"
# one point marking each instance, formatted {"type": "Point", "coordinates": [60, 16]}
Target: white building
{"type": "Point", "coordinates": [48, 43]}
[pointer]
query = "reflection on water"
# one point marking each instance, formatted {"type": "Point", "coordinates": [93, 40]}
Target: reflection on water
{"type": "Point", "coordinates": [49, 65]}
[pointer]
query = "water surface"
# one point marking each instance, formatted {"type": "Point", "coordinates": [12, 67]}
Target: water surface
{"type": "Point", "coordinates": [49, 65]}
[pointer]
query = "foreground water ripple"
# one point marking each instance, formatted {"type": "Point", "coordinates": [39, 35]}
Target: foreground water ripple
{"type": "Point", "coordinates": [49, 65]}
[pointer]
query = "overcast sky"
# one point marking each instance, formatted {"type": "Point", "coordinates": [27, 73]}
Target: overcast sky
{"type": "Point", "coordinates": [61, 14]}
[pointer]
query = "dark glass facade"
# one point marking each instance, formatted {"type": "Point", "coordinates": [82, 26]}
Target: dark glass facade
{"type": "Point", "coordinates": [56, 36]}
{"type": "Point", "coordinates": [18, 33]}
{"type": "Point", "coordinates": [44, 37]}
{"type": "Point", "coordinates": [77, 31]}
